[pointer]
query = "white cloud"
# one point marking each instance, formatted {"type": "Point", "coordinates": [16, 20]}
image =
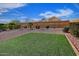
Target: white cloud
{"type": "Point", "coordinates": [36, 19]}
{"type": "Point", "coordinates": [59, 13]}
{"type": "Point", "coordinates": [47, 14]}
{"type": "Point", "coordinates": [65, 12]}
{"type": "Point", "coordinates": [11, 5]}
{"type": "Point", "coordinates": [4, 7]}
{"type": "Point", "coordinates": [2, 10]}
{"type": "Point", "coordinates": [22, 20]}
{"type": "Point", "coordinates": [4, 20]}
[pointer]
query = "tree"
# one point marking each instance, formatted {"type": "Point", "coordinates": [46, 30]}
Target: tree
{"type": "Point", "coordinates": [11, 25]}
{"type": "Point", "coordinates": [3, 27]}
{"type": "Point", "coordinates": [15, 24]}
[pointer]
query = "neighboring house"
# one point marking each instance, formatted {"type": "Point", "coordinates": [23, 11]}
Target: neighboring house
{"type": "Point", "coordinates": [52, 22]}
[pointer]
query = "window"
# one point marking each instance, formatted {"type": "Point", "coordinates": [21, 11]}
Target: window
{"type": "Point", "coordinates": [47, 27]}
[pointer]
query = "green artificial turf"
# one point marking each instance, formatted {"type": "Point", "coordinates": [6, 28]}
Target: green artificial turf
{"type": "Point", "coordinates": [37, 44]}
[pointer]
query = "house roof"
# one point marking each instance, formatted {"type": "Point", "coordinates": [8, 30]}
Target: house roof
{"type": "Point", "coordinates": [54, 19]}
{"type": "Point", "coordinates": [74, 21]}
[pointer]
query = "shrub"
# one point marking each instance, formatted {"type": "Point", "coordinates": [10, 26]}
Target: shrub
{"type": "Point", "coordinates": [74, 29]}
{"type": "Point", "coordinates": [66, 29]}
{"type": "Point", "coordinates": [76, 33]}
{"type": "Point", "coordinates": [3, 27]}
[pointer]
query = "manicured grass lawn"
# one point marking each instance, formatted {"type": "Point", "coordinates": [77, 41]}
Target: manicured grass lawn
{"type": "Point", "coordinates": [37, 44]}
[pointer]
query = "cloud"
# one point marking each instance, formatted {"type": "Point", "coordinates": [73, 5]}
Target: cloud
{"type": "Point", "coordinates": [2, 10]}
{"type": "Point", "coordinates": [36, 19]}
{"type": "Point", "coordinates": [4, 7]}
{"type": "Point", "coordinates": [11, 5]}
{"type": "Point", "coordinates": [65, 12]}
{"type": "Point", "coordinates": [7, 20]}
{"type": "Point", "coordinates": [47, 14]}
{"type": "Point", "coordinates": [59, 13]}
{"type": "Point", "coordinates": [4, 20]}
{"type": "Point", "coordinates": [23, 17]}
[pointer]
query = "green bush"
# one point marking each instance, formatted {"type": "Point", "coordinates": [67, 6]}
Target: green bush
{"type": "Point", "coordinates": [76, 33]}
{"type": "Point", "coordinates": [66, 29]}
{"type": "Point", "coordinates": [3, 27]}
{"type": "Point", "coordinates": [74, 29]}
{"type": "Point", "coordinates": [13, 25]}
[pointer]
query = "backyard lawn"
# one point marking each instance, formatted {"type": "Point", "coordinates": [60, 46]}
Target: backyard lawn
{"type": "Point", "coordinates": [37, 44]}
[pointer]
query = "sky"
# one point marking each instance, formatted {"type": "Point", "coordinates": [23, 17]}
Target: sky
{"type": "Point", "coordinates": [36, 11]}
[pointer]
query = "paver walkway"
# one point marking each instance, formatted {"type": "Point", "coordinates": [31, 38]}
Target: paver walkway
{"type": "Point", "coordinates": [74, 42]}
{"type": "Point", "coordinates": [14, 33]}
{"type": "Point", "coordinates": [50, 30]}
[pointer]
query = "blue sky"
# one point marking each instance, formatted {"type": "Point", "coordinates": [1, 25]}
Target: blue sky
{"type": "Point", "coordinates": [37, 11]}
